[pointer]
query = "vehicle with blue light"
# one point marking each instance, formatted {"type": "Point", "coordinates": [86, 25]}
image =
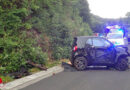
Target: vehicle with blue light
{"type": "Point", "coordinates": [128, 35]}
{"type": "Point", "coordinates": [116, 39]}
{"type": "Point", "coordinates": [115, 29]}
{"type": "Point", "coordinates": [116, 35]}
{"type": "Point", "coordinates": [98, 51]}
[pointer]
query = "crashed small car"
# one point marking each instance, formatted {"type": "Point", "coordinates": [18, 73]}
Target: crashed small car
{"type": "Point", "coordinates": [98, 51]}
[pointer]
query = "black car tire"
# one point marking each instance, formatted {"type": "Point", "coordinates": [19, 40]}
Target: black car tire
{"type": "Point", "coordinates": [122, 64]}
{"type": "Point", "coordinates": [80, 63]}
{"type": "Point", "coordinates": [109, 67]}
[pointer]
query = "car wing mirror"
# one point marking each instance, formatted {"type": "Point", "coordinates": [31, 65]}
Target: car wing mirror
{"type": "Point", "coordinates": [125, 38]}
{"type": "Point", "coordinates": [92, 46]}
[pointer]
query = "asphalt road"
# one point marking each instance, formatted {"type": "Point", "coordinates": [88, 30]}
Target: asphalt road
{"type": "Point", "coordinates": [92, 79]}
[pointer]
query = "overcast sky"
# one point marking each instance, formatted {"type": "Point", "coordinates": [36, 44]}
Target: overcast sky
{"type": "Point", "coordinates": [109, 8]}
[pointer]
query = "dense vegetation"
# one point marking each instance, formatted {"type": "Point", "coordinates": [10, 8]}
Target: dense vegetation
{"type": "Point", "coordinates": [99, 24]}
{"type": "Point", "coordinates": [40, 30]}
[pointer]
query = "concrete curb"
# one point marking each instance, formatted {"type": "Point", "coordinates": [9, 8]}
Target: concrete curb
{"type": "Point", "coordinates": [28, 80]}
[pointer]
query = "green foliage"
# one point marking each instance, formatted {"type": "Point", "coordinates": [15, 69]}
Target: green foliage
{"type": "Point", "coordinates": [61, 53]}
{"type": "Point", "coordinates": [6, 78]}
{"type": "Point", "coordinates": [34, 70]}
{"type": "Point", "coordinates": [35, 55]}
{"type": "Point", "coordinates": [37, 29]}
{"type": "Point", "coordinates": [61, 20]}
{"type": "Point", "coordinates": [98, 24]}
{"type": "Point", "coordinates": [16, 47]}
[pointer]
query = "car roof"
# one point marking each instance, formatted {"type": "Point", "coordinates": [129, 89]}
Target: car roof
{"type": "Point", "coordinates": [86, 36]}
{"type": "Point", "coordinates": [81, 40]}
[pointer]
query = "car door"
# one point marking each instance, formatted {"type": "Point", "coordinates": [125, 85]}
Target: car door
{"type": "Point", "coordinates": [103, 50]}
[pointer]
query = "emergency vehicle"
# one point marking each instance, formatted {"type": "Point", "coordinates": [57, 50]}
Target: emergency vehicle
{"type": "Point", "coordinates": [116, 35]}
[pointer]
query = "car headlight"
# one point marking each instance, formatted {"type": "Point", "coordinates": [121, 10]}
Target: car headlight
{"type": "Point", "coordinates": [119, 43]}
{"type": "Point", "coordinates": [76, 53]}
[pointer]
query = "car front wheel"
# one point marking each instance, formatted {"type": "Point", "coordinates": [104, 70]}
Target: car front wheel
{"type": "Point", "coordinates": [80, 63]}
{"type": "Point", "coordinates": [122, 64]}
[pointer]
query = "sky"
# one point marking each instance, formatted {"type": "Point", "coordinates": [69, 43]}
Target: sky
{"type": "Point", "coordinates": [109, 8]}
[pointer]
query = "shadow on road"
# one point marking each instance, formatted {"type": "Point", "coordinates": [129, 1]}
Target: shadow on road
{"type": "Point", "coordinates": [68, 68]}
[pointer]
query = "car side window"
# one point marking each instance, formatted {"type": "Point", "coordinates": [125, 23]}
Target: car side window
{"type": "Point", "coordinates": [107, 44]}
{"type": "Point", "coordinates": [89, 42]}
{"type": "Point", "coordinates": [98, 42]}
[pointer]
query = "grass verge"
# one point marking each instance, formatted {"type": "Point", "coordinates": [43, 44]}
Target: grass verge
{"type": "Point", "coordinates": [50, 64]}
{"type": "Point", "coordinates": [55, 63]}
{"type": "Point", "coordinates": [34, 70]}
{"type": "Point", "coordinates": [6, 79]}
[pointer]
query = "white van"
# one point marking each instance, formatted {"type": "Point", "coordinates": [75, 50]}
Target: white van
{"type": "Point", "coordinates": [116, 39]}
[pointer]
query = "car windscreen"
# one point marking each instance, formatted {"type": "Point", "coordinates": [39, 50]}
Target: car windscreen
{"type": "Point", "coordinates": [99, 42]}
{"type": "Point", "coordinates": [114, 36]}
{"type": "Point", "coordinates": [81, 41]}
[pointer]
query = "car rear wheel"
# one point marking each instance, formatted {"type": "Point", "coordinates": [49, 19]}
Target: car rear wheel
{"type": "Point", "coordinates": [80, 63]}
{"type": "Point", "coordinates": [122, 64]}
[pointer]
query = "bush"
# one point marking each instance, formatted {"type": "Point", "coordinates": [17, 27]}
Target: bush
{"type": "Point", "coordinates": [61, 53]}
{"type": "Point", "coordinates": [60, 20]}
{"type": "Point", "coordinates": [16, 46]}
{"type": "Point", "coordinates": [11, 62]}
{"type": "Point", "coordinates": [6, 79]}
{"type": "Point", "coordinates": [36, 55]}
{"type": "Point", "coordinates": [57, 53]}
{"type": "Point", "coordinates": [34, 70]}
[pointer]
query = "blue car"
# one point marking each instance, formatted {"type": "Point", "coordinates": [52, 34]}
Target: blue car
{"type": "Point", "coordinates": [98, 51]}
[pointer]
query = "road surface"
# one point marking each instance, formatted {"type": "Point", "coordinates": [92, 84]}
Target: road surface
{"type": "Point", "coordinates": [92, 79]}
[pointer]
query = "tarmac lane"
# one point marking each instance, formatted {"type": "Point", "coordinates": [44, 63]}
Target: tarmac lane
{"type": "Point", "coordinates": [98, 78]}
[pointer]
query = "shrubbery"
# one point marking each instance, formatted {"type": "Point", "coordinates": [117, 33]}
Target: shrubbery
{"type": "Point", "coordinates": [16, 47]}
{"type": "Point", "coordinates": [39, 30]}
